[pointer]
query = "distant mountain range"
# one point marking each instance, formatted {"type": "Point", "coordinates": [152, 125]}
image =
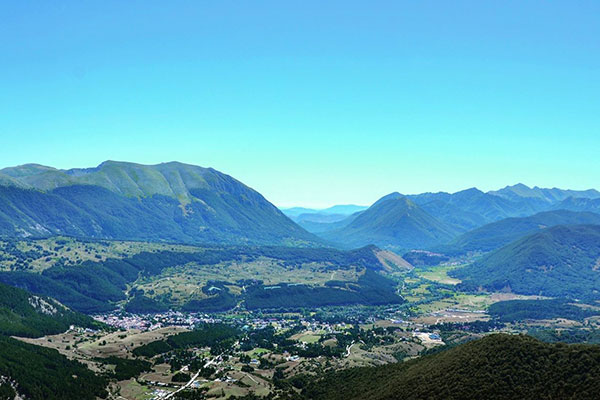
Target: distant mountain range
{"type": "Point", "coordinates": [395, 222]}
{"type": "Point", "coordinates": [118, 200]}
{"type": "Point", "coordinates": [320, 223]}
{"type": "Point", "coordinates": [467, 209]}
{"type": "Point", "coordinates": [561, 261]}
{"type": "Point", "coordinates": [317, 221]}
{"type": "Point", "coordinates": [497, 234]}
{"type": "Point", "coordinates": [554, 195]}
{"type": "Point", "coordinates": [341, 209]}
{"type": "Point", "coordinates": [175, 202]}
{"type": "Point", "coordinates": [439, 218]}
{"type": "Point", "coordinates": [579, 204]}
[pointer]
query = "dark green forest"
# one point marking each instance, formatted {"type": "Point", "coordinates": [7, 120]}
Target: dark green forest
{"type": "Point", "coordinates": [45, 374]}
{"type": "Point", "coordinates": [518, 310]}
{"type": "Point", "coordinates": [22, 314]}
{"type": "Point", "coordinates": [371, 289]}
{"type": "Point", "coordinates": [498, 366]}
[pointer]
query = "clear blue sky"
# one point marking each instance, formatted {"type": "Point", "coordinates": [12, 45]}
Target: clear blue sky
{"type": "Point", "coordinates": [310, 103]}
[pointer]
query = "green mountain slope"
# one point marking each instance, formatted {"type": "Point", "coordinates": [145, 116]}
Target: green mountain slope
{"type": "Point", "coordinates": [40, 373]}
{"type": "Point", "coordinates": [497, 234]}
{"type": "Point", "coordinates": [496, 367]}
{"type": "Point", "coordinates": [462, 219]}
{"type": "Point", "coordinates": [6, 180]}
{"type": "Point", "coordinates": [393, 222]}
{"type": "Point", "coordinates": [36, 372]}
{"type": "Point", "coordinates": [129, 179]}
{"type": "Point", "coordinates": [168, 202]}
{"type": "Point", "coordinates": [24, 314]}
{"type": "Point", "coordinates": [561, 261]}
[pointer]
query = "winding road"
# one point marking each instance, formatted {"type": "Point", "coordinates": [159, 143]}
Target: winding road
{"type": "Point", "coordinates": [191, 381]}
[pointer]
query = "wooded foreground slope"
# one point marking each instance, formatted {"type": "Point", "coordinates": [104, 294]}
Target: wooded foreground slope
{"type": "Point", "coordinates": [498, 366]}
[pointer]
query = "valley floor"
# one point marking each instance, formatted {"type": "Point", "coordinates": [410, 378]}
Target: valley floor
{"type": "Point", "coordinates": [276, 352]}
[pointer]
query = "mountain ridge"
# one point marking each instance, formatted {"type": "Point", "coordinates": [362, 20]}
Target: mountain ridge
{"type": "Point", "coordinates": [174, 179]}
{"type": "Point", "coordinates": [117, 200]}
{"type": "Point", "coordinates": [393, 222]}
{"type": "Point", "coordinates": [551, 195]}
{"type": "Point", "coordinates": [497, 234]}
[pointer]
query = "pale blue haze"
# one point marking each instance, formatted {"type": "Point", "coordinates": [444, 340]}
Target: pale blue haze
{"type": "Point", "coordinates": [311, 103]}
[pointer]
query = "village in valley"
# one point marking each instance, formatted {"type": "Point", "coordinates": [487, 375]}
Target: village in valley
{"type": "Point", "coordinates": [274, 348]}
{"type": "Point", "coordinates": [238, 353]}
{"type": "Point", "coordinates": [259, 353]}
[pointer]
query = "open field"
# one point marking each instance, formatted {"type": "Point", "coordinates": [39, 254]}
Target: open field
{"type": "Point", "coordinates": [122, 343]}
{"type": "Point", "coordinates": [132, 390]}
{"type": "Point", "coordinates": [439, 274]}
{"type": "Point", "coordinates": [307, 337]}
{"type": "Point", "coordinates": [436, 299]}
{"type": "Point", "coordinates": [185, 282]}
{"type": "Point", "coordinates": [87, 345]}
{"type": "Point", "coordinates": [379, 355]}
{"type": "Point", "coordinates": [239, 384]}
{"type": "Point", "coordinates": [461, 307]}
{"type": "Point", "coordinates": [257, 352]}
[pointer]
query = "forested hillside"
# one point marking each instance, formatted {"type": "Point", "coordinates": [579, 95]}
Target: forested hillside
{"type": "Point", "coordinates": [561, 261]}
{"type": "Point", "coordinates": [496, 367]}
{"type": "Point", "coordinates": [44, 374]}
{"type": "Point", "coordinates": [35, 372]}
{"type": "Point", "coordinates": [24, 314]}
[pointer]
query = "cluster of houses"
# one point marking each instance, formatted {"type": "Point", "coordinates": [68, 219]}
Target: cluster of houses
{"type": "Point", "coordinates": [149, 322]}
